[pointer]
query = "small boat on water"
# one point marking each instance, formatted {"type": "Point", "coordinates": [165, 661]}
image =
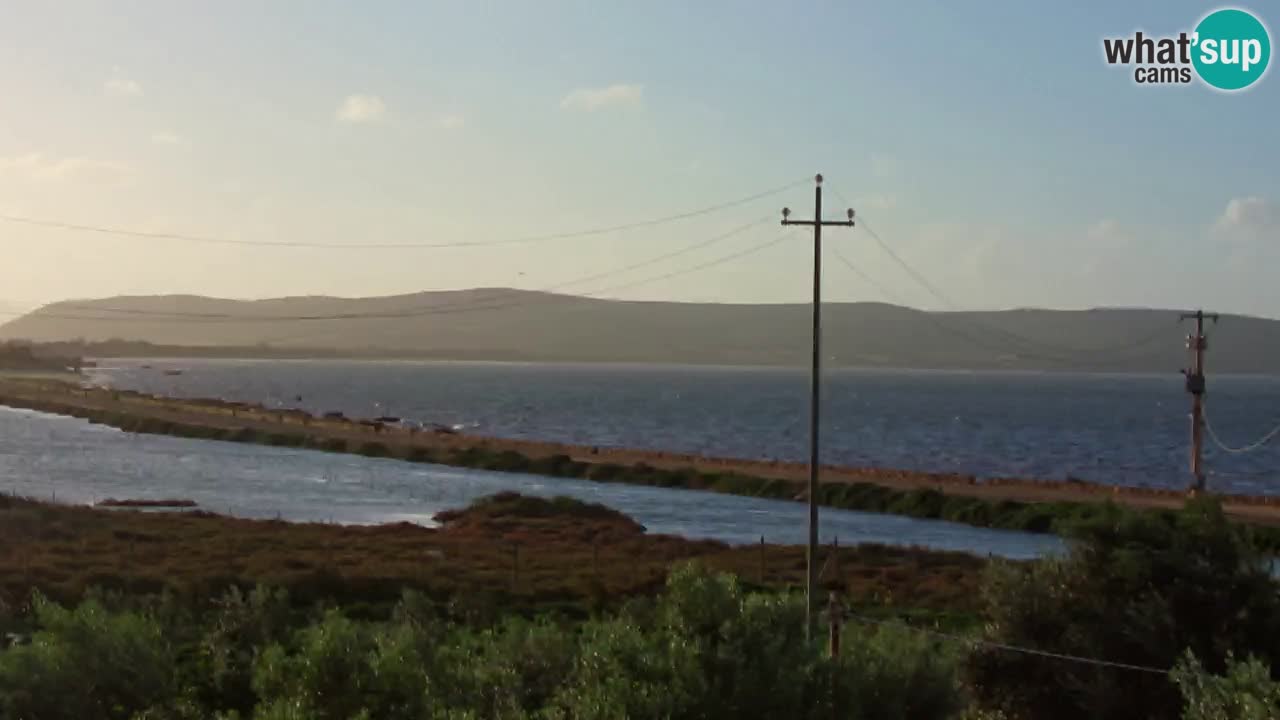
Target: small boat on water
{"type": "Point", "coordinates": [173, 372]}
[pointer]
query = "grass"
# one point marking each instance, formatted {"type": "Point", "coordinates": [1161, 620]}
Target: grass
{"type": "Point", "coordinates": [522, 554]}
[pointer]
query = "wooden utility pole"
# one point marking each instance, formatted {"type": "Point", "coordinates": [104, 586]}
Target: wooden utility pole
{"type": "Point", "coordinates": [1196, 345]}
{"type": "Point", "coordinates": [815, 379]}
{"type": "Point", "coordinates": [834, 621]}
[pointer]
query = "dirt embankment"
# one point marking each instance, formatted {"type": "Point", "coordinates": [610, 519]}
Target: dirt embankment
{"type": "Point", "coordinates": [216, 419]}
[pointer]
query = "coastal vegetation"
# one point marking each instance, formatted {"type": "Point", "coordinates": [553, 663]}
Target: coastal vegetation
{"type": "Point", "coordinates": [519, 553]}
{"type": "Point", "coordinates": [1142, 618]}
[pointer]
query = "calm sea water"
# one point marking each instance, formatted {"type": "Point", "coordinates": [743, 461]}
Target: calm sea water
{"type": "Point", "coordinates": [1123, 429]}
{"type": "Point", "coordinates": [70, 460]}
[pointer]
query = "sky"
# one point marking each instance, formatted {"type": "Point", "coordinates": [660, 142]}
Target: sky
{"type": "Point", "coordinates": [988, 144]}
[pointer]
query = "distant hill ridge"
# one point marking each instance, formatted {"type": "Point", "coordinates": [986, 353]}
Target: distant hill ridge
{"type": "Point", "coordinates": [506, 324]}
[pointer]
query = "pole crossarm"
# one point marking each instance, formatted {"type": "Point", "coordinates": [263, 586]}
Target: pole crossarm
{"type": "Point", "coordinates": [824, 223]}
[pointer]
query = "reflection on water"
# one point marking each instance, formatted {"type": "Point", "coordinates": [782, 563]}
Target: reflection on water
{"type": "Point", "coordinates": [43, 455]}
{"type": "Point", "coordinates": [1120, 429]}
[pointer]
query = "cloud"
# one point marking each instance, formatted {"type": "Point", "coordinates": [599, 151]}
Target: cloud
{"type": "Point", "coordinates": [1250, 217]}
{"type": "Point", "coordinates": [120, 86]}
{"type": "Point", "coordinates": [358, 109]}
{"type": "Point", "coordinates": [169, 139]}
{"type": "Point", "coordinates": [38, 167]}
{"type": "Point", "coordinates": [589, 99]}
{"type": "Point", "coordinates": [1108, 234]}
{"type": "Point", "coordinates": [450, 121]}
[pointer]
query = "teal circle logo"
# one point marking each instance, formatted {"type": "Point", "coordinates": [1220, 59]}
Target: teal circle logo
{"type": "Point", "coordinates": [1231, 49]}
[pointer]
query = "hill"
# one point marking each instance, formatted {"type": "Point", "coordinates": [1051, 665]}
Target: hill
{"type": "Point", "coordinates": [503, 324]}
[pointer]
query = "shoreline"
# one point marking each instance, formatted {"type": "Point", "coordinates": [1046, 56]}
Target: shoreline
{"type": "Point", "coordinates": [1003, 503]}
{"type": "Point", "coordinates": [699, 365]}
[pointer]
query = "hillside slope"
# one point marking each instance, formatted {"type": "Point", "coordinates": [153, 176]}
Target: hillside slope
{"type": "Point", "coordinates": [504, 324]}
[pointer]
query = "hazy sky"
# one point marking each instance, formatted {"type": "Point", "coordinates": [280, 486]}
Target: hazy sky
{"type": "Point", "coordinates": [988, 142]}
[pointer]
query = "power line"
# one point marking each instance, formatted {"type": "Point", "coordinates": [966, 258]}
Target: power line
{"type": "Point", "coordinates": [981, 344]}
{"type": "Point", "coordinates": [614, 288]}
{"type": "Point", "coordinates": [1236, 450]}
{"type": "Point", "coordinates": [1014, 337]}
{"type": "Point", "coordinates": [1011, 336]}
{"type": "Point", "coordinates": [920, 279]}
{"type": "Point", "coordinates": [450, 308]}
{"type": "Point", "coordinates": [108, 230]}
{"type": "Point", "coordinates": [867, 278]}
{"type": "Point", "coordinates": [1074, 362]}
{"type": "Point", "coordinates": [234, 317]}
{"type": "Point", "coordinates": [704, 266]}
{"type": "Point", "coordinates": [1010, 648]}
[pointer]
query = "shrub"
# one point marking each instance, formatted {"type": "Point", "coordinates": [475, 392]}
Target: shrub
{"type": "Point", "coordinates": [508, 461]}
{"type": "Point", "coordinates": [1245, 692]}
{"type": "Point", "coordinates": [510, 671]}
{"type": "Point", "coordinates": [703, 648]}
{"type": "Point", "coordinates": [420, 454]}
{"type": "Point", "coordinates": [239, 627]}
{"type": "Point", "coordinates": [245, 435]}
{"type": "Point", "coordinates": [87, 663]}
{"type": "Point", "coordinates": [284, 440]}
{"type": "Point", "coordinates": [892, 672]}
{"type": "Point", "coordinates": [1135, 588]}
{"type": "Point", "coordinates": [373, 448]}
{"type": "Point", "coordinates": [606, 472]}
{"type": "Point", "coordinates": [328, 676]}
{"type": "Point", "coordinates": [709, 650]}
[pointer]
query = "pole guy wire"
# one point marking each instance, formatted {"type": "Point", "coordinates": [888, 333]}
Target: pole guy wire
{"type": "Point", "coordinates": [1011, 648]}
{"type": "Point", "coordinates": [1275, 432]}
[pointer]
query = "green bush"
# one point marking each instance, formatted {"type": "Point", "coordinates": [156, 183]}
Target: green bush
{"type": "Point", "coordinates": [508, 461]}
{"type": "Point", "coordinates": [245, 435]}
{"type": "Point", "coordinates": [510, 671]}
{"type": "Point", "coordinates": [328, 677]}
{"type": "Point", "coordinates": [1136, 588]}
{"type": "Point", "coordinates": [703, 648]}
{"type": "Point", "coordinates": [239, 627]}
{"type": "Point", "coordinates": [606, 472]}
{"type": "Point", "coordinates": [1245, 692]}
{"type": "Point", "coordinates": [709, 650]}
{"type": "Point", "coordinates": [373, 448]}
{"type": "Point", "coordinates": [421, 455]}
{"type": "Point", "coordinates": [87, 663]}
{"type": "Point", "coordinates": [892, 672]}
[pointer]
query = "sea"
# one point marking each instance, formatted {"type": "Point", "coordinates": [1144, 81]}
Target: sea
{"type": "Point", "coordinates": [1126, 429]}
{"type": "Point", "coordinates": [68, 460]}
{"type": "Point", "coordinates": [1109, 428]}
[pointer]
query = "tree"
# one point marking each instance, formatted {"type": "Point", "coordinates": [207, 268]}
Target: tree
{"type": "Point", "coordinates": [87, 663]}
{"type": "Point", "coordinates": [1136, 588]}
{"type": "Point", "coordinates": [1245, 692]}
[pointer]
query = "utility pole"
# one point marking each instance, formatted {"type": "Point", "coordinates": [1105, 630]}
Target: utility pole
{"type": "Point", "coordinates": [815, 380]}
{"type": "Point", "coordinates": [1197, 344]}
